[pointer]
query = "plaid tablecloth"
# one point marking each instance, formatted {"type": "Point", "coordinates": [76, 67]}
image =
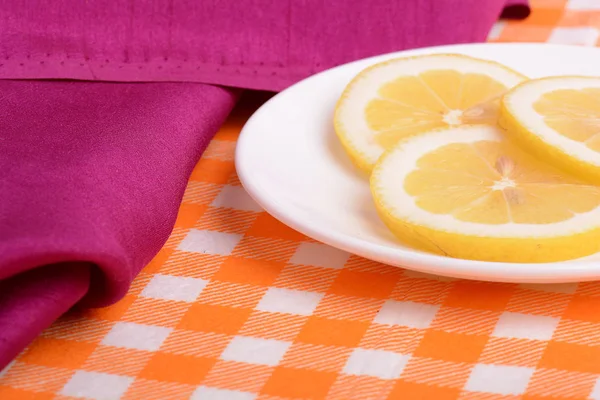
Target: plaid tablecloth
{"type": "Point", "coordinates": [237, 306]}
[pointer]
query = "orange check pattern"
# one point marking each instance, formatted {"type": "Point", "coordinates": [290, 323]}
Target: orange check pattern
{"type": "Point", "coordinates": [236, 306]}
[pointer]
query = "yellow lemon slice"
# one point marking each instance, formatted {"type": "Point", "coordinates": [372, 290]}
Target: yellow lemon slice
{"type": "Point", "coordinates": [466, 192]}
{"type": "Point", "coordinates": [402, 97]}
{"type": "Point", "coordinates": [558, 119]}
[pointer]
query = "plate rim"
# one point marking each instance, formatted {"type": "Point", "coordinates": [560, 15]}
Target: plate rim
{"type": "Point", "coordinates": [566, 271]}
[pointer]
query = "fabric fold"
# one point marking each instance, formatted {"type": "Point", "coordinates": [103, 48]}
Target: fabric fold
{"type": "Point", "coordinates": [30, 302]}
{"type": "Point", "coordinates": [516, 9]}
{"type": "Point", "coordinates": [254, 44]}
{"type": "Point", "coordinates": [92, 175]}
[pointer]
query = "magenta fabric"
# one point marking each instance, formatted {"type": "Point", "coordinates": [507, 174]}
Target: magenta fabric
{"type": "Point", "coordinates": [255, 44]}
{"type": "Point", "coordinates": [33, 300]}
{"type": "Point", "coordinates": [516, 9]}
{"type": "Point", "coordinates": [92, 173]}
{"type": "Point", "coordinates": [92, 177]}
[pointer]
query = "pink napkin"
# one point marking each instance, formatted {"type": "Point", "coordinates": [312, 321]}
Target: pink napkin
{"type": "Point", "coordinates": [254, 44]}
{"type": "Point", "coordinates": [92, 174]}
{"type": "Point", "coordinates": [92, 177]}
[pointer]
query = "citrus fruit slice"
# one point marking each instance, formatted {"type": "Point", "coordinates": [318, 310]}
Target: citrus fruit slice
{"type": "Point", "coordinates": [466, 192]}
{"type": "Point", "coordinates": [402, 97]}
{"type": "Point", "coordinates": [558, 120]}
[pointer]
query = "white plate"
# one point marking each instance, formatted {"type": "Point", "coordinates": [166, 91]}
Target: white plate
{"type": "Point", "coordinates": [289, 160]}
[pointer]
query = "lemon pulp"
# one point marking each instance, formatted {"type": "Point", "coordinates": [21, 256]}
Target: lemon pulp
{"type": "Point", "coordinates": [466, 192]}
{"type": "Point", "coordinates": [432, 99]}
{"type": "Point", "coordinates": [573, 113]}
{"type": "Point", "coordinates": [558, 120]}
{"type": "Point", "coordinates": [403, 97]}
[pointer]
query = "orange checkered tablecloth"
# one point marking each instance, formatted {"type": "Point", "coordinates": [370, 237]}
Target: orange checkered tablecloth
{"type": "Point", "coordinates": [237, 306]}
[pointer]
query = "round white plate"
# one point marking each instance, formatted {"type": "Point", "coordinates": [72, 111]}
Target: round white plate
{"type": "Point", "coordinates": [289, 160]}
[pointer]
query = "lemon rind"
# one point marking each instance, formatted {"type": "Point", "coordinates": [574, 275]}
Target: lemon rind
{"type": "Point", "coordinates": [484, 246]}
{"type": "Point", "coordinates": [535, 139]}
{"type": "Point", "coordinates": [347, 134]}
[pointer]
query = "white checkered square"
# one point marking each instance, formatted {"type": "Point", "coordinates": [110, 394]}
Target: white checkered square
{"type": "Point", "coordinates": [96, 385]}
{"type": "Point", "coordinates": [209, 242]}
{"type": "Point", "coordinates": [319, 255]}
{"type": "Point", "coordinates": [210, 393]}
{"type": "Point", "coordinates": [235, 197]}
{"type": "Point", "coordinates": [406, 313]}
{"type": "Point", "coordinates": [499, 379]}
{"type": "Point", "coordinates": [496, 30]}
{"type": "Point", "coordinates": [5, 369]}
{"type": "Point", "coordinates": [220, 150]}
{"type": "Point", "coordinates": [289, 301]}
{"type": "Point", "coordinates": [377, 363]}
{"type": "Point", "coordinates": [567, 288]}
{"type": "Point", "coordinates": [255, 351]}
{"type": "Point", "coordinates": [584, 36]}
{"type": "Point", "coordinates": [583, 5]}
{"type": "Point", "coordinates": [595, 395]}
{"type": "Point", "coordinates": [136, 336]}
{"type": "Point", "coordinates": [169, 287]}
{"type": "Point", "coordinates": [525, 326]}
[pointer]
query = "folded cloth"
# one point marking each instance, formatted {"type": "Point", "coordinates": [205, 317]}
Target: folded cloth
{"type": "Point", "coordinates": [91, 178]}
{"type": "Point", "coordinates": [256, 44]}
{"type": "Point", "coordinates": [91, 174]}
{"type": "Point", "coordinates": [516, 9]}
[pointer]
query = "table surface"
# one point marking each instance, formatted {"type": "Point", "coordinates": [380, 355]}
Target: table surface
{"type": "Point", "coordinates": [237, 306]}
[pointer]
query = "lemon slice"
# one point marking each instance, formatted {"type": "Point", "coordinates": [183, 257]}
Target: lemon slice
{"type": "Point", "coordinates": [466, 192]}
{"type": "Point", "coordinates": [558, 119]}
{"type": "Point", "coordinates": [402, 97]}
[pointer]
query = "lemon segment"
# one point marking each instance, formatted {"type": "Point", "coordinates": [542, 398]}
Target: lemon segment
{"type": "Point", "coordinates": [558, 120]}
{"type": "Point", "coordinates": [403, 97]}
{"type": "Point", "coordinates": [467, 192]}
